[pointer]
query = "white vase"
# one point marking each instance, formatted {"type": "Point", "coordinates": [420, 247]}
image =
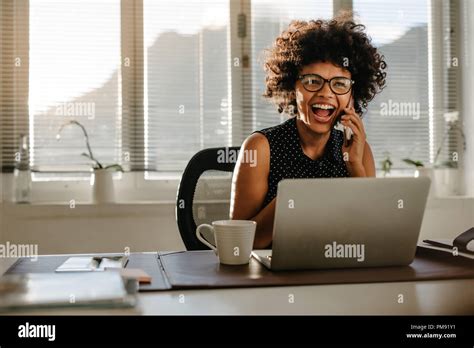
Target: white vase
{"type": "Point", "coordinates": [426, 172]}
{"type": "Point", "coordinates": [447, 181]}
{"type": "Point", "coordinates": [103, 186]}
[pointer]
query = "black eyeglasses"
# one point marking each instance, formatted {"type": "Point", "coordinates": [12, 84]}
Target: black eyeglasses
{"type": "Point", "coordinates": [338, 85]}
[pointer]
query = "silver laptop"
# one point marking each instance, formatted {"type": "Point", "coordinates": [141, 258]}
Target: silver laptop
{"type": "Point", "coordinates": [339, 223]}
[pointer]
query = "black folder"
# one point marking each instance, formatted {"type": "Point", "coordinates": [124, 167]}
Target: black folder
{"type": "Point", "coordinates": [460, 242]}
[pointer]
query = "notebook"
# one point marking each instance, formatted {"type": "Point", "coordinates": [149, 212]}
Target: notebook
{"type": "Point", "coordinates": [40, 290]}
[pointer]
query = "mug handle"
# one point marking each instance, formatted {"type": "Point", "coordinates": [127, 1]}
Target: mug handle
{"type": "Point", "coordinates": [201, 238]}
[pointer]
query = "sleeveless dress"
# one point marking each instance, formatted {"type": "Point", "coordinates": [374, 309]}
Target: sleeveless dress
{"type": "Point", "coordinates": [287, 159]}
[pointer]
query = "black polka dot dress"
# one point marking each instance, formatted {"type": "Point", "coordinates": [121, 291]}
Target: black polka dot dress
{"type": "Point", "coordinates": [287, 159]}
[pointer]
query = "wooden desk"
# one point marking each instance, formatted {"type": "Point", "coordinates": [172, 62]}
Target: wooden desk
{"type": "Point", "coordinates": [439, 297]}
{"type": "Point", "coordinates": [447, 297]}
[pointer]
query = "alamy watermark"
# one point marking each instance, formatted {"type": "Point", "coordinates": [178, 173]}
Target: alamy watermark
{"type": "Point", "coordinates": [404, 109]}
{"type": "Point", "coordinates": [19, 250]}
{"type": "Point", "coordinates": [345, 251]}
{"type": "Point", "coordinates": [37, 331]}
{"type": "Point", "coordinates": [228, 155]}
{"type": "Point", "coordinates": [76, 109]}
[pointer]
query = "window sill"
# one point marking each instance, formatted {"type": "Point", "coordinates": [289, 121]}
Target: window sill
{"type": "Point", "coordinates": [164, 210]}
{"type": "Point", "coordinates": [130, 188]}
{"type": "Point", "coordinates": [139, 203]}
{"type": "Point", "coordinates": [120, 203]}
{"type": "Point", "coordinates": [62, 210]}
{"type": "Point", "coordinates": [89, 203]}
{"type": "Point", "coordinates": [133, 190]}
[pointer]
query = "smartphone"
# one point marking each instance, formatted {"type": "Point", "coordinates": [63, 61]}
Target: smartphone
{"type": "Point", "coordinates": [347, 131]}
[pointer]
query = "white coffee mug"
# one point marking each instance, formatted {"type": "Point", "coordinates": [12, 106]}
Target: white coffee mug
{"type": "Point", "coordinates": [234, 240]}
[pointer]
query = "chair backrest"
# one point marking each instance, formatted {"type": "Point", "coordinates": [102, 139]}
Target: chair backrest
{"type": "Point", "coordinates": [219, 159]}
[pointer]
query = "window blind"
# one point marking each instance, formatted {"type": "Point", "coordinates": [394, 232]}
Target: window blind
{"type": "Point", "coordinates": [401, 122]}
{"type": "Point", "coordinates": [269, 19]}
{"type": "Point", "coordinates": [449, 137]}
{"type": "Point", "coordinates": [73, 73]}
{"type": "Point", "coordinates": [14, 18]}
{"type": "Point", "coordinates": [398, 121]}
{"type": "Point", "coordinates": [186, 80]}
{"type": "Point", "coordinates": [153, 83]}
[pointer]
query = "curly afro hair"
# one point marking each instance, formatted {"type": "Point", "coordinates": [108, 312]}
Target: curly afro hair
{"type": "Point", "coordinates": [340, 41]}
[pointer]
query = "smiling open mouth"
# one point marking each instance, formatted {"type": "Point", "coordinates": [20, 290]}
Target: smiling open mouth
{"type": "Point", "coordinates": [322, 112]}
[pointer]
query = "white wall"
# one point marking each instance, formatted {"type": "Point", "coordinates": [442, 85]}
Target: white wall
{"type": "Point", "coordinates": [150, 227]}
{"type": "Point", "coordinates": [89, 228]}
{"type": "Point", "coordinates": [467, 68]}
{"type": "Point", "coordinates": [83, 227]}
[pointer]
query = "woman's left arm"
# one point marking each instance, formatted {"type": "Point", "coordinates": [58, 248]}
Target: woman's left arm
{"type": "Point", "coordinates": [360, 161]}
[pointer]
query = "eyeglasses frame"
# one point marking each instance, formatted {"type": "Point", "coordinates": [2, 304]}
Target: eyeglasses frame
{"type": "Point", "coordinates": [300, 77]}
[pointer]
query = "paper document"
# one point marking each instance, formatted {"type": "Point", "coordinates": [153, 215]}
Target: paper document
{"type": "Point", "coordinates": [90, 264]}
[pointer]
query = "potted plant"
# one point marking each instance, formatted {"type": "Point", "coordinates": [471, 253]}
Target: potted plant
{"type": "Point", "coordinates": [444, 175]}
{"type": "Point", "coordinates": [422, 171]}
{"type": "Point", "coordinates": [420, 168]}
{"type": "Point", "coordinates": [102, 178]}
{"type": "Point", "coordinates": [386, 164]}
{"type": "Point", "coordinates": [447, 173]}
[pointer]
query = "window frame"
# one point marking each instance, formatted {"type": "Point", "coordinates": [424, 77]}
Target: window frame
{"type": "Point", "coordinates": [14, 33]}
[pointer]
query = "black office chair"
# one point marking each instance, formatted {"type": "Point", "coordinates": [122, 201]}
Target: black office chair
{"type": "Point", "coordinates": [213, 159]}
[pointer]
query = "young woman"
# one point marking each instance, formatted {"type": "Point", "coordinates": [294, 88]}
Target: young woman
{"type": "Point", "coordinates": [318, 72]}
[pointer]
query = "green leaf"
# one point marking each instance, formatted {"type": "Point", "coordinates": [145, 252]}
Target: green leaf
{"type": "Point", "coordinates": [96, 165]}
{"type": "Point", "coordinates": [117, 167]}
{"type": "Point", "coordinates": [413, 163]}
{"type": "Point", "coordinates": [86, 155]}
{"type": "Point", "coordinates": [386, 165]}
